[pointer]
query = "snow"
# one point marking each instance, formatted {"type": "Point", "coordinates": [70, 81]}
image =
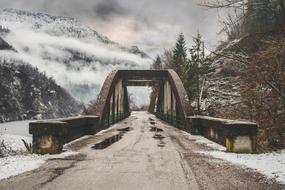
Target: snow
{"type": "Point", "coordinates": [226, 121]}
{"type": "Point", "coordinates": [14, 142]}
{"type": "Point", "coordinates": [14, 165]}
{"type": "Point", "coordinates": [16, 128]}
{"type": "Point", "coordinates": [55, 41]}
{"type": "Point", "coordinates": [205, 141]}
{"type": "Point", "coordinates": [20, 161]}
{"type": "Point", "coordinates": [271, 165]}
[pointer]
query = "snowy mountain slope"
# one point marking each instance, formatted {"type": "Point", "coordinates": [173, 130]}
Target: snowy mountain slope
{"type": "Point", "coordinates": [4, 45]}
{"type": "Point", "coordinates": [26, 93]}
{"type": "Point", "coordinates": [75, 56]}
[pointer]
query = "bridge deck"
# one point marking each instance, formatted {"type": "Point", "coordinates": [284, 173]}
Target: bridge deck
{"type": "Point", "coordinates": [153, 155]}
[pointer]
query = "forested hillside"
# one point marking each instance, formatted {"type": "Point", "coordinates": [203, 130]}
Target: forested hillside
{"type": "Point", "coordinates": [244, 78]}
{"type": "Point", "coordinates": [27, 93]}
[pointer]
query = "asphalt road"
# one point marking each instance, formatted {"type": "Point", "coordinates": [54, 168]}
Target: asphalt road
{"type": "Point", "coordinates": [143, 159]}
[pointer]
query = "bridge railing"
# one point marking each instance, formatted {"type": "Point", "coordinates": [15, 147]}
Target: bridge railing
{"type": "Point", "coordinates": [115, 119]}
{"type": "Point", "coordinates": [173, 120]}
{"type": "Point", "coordinates": [49, 136]}
{"type": "Point", "coordinates": [236, 136]}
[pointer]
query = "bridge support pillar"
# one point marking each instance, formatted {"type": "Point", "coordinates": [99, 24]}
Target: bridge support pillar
{"type": "Point", "coordinates": [48, 137]}
{"type": "Point", "coordinates": [236, 136]}
{"type": "Point", "coordinates": [241, 144]}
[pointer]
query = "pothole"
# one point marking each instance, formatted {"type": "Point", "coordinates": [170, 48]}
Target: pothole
{"type": "Point", "coordinates": [104, 143]}
{"type": "Point", "coordinates": [162, 144]}
{"type": "Point", "coordinates": [158, 136]}
{"type": "Point", "coordinates": [155, 129]}
{"type": "Point", "coordinates": [124, 129]}
{"type": "Point", "coordinates": [111, 138]}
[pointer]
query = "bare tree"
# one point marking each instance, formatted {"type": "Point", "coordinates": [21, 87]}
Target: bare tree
{"type": "Point", "coordinates": [250, 16]}
{"type": "Point", "coordinates": [263, 84]}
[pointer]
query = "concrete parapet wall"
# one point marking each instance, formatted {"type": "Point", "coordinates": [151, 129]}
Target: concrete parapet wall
{"type": "Point", "coordinates": [236, 136]}
{"type": "Point", "coordinates": [49, 136]}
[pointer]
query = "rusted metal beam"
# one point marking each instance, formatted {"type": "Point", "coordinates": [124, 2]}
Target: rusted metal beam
{"type": "Point", "coordinates": [142, 83]}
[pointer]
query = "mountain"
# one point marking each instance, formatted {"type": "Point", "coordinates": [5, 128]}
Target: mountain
{"type": "Point", "coordinates": [75, 56]}
{"type": "Point", "coordinates": [26, 94]}
{"type": "Point", "coordinates": [49, 64]}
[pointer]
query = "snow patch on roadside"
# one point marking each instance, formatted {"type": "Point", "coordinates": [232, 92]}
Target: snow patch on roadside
{"type": "Point", "coordinates": [271, 165]}
{"type": "Point", "coordinates": [14, 142]}
{"type": "Point", "coordinates": [16, 128]}
{"type": "Point", "coordinates": [202, 140]}
{"type": "Point", "coordinates": [14, 165]}
{"type": "Point", "coordinates": [18, 161]}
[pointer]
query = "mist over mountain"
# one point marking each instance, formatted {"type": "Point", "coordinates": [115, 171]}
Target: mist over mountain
{"type": "Point", "coordinates": [75, 56]}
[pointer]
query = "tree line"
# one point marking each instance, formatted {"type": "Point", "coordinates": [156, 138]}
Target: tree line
{"type": "Point", "coordinates": [191, 65]}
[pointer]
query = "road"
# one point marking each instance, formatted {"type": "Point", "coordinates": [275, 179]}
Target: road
{"type": "Point", "coordinates": [143, 159]}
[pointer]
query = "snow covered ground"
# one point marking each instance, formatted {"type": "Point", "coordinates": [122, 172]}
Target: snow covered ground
{"type": "Point", "coordinates": [14, 165]}
{"type": "Point", "coordinates": [271, 165]}
{"type": "Point", "coordinates": [19, 160]}
{"type": "Point", "coordinates": [14, 142]}
{"type": "Point", "coordinates": [16, 128]}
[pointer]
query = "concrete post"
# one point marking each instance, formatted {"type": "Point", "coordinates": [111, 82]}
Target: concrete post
{"type": "Point", "coordinates": [48, 136]}
{"type": "Point", "coordinates": [236, 136]}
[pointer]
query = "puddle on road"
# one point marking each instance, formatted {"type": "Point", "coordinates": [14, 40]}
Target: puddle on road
{"type": "Point", "coordinates": [155, 129]}
{"type": "Point", "coordinates": [102, 144]}
{"type": "Point", "coordinates": [160, 138]}
{"type": "Point", "coordinates": [157, 133]}
{"type": "Point", "coordinates": [109, 140]}
{"type": "Point", "coordinates": [161, 144]}
{"type": "Point", "coordinates": [125, 129]}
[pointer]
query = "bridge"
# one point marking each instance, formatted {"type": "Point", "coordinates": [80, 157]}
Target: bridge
{"type": "Point", "coordinates": [169, 102]}
{"type": "Point", "coordinates": [120, 149]}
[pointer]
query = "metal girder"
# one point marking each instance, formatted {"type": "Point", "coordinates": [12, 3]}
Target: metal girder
{"type": "Point", "coordinates": [141, 83]}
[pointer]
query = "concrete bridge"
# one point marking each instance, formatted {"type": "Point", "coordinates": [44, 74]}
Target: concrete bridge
{"type": "Point", "coordinates": [169, 102]}
{"type": "Point", "coordinates": [140, 150]}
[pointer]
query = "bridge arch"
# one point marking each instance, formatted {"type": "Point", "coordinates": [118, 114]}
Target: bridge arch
{"type": "Point", "coordinates": [170, 101]}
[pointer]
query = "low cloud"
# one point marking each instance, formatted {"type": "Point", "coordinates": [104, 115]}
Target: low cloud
{"type": "Point", "coordinates": [137, 21]}
{"type": "Point", "coordinates": [106, 10]}
{"type": "Point", "coordinates": [152, 25]}
{"type": "Point", "coordinates": [53, 55]}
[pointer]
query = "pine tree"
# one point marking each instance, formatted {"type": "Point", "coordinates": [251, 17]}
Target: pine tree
{"type": "Point", "coordinates": [157, 63]}
{"type": "Point", "coordinates": [180, 56]}
{"type": "Point", "coordinates": [197, 68]}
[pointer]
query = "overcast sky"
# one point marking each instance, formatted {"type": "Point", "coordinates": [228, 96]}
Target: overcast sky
{"type": "Point", "coordinates": [150, 24]}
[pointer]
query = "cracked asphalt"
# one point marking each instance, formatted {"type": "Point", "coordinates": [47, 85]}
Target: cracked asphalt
{"type": "Point", "coordinates": [148, 157]}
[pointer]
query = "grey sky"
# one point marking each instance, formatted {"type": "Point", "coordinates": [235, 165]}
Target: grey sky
{"type": "Point", "coordinates": [150, 24]}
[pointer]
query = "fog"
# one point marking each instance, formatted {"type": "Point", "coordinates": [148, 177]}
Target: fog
{"type": "Point", "coordinates": [136, 94]}
{"type": "Point", "coordinates": [52, 55]}
{"type": "Point", "coordinates": [152, 25]}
